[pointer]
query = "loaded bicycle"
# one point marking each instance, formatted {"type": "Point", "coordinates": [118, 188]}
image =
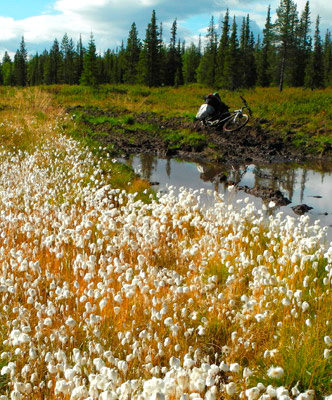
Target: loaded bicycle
{"type": "Point", "coordinates": [228, 121]}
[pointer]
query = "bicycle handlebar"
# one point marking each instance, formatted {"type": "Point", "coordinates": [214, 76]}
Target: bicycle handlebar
{"type": "Point", "coordinates": [246, 105]}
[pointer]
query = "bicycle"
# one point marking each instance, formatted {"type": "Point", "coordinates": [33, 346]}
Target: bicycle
{"type": "Point", "coordinates": [229, 121]}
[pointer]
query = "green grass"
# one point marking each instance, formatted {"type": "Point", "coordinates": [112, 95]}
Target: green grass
{"type": "Point", "coordinates": [306, 114]}
{"type": "Point", "coordinates": [302, 118]}
{"type": "Point", "coordinates": [185, 140]}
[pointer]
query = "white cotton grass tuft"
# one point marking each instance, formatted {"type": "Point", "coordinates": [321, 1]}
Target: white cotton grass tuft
{"type": "Point", "coordinates": [231, 388]}
{"type": "Point", "coordinates": [119, 298]}
{"type": "Point", "coordinates": [275, 372]}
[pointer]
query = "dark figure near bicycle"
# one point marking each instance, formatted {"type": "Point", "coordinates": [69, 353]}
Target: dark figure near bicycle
{"type": "Point", "coordinates": [214, 100]}
{"type": "Point", "coordinates": [215, 114]}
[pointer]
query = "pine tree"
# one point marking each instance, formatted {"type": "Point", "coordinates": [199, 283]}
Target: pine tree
{"type": "Point", "coordinates": [285, 34]}
{"type": "Point", "coordinates": [89, 73]}
{"type": "Point", "coordinates": [20, 65]}
{"type": "Point", "coordinates": [150, 56]}
{"type": "Point", "coordinates": [132, 55]}
{"type": "Point", "coordinates": [206, 72]}
{"type": "Point", "coordinates": [315, 71]}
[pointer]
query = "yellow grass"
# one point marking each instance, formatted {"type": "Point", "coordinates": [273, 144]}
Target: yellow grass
{"type": "Point", "coordinates": [98, 279]}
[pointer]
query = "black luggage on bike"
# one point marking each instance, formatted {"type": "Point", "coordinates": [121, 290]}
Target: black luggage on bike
{"type": "Point", "coordinates": [214, 100]}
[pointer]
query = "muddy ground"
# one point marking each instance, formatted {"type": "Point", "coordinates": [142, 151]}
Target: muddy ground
{"type": "Point", "coordinates": [254, 143]}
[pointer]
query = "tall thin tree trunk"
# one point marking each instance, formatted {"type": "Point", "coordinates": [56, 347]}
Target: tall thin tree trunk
{"type": "Point", "coordinates": [282, 70]}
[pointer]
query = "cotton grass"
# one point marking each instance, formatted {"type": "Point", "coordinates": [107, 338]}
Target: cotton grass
{"type": "Point", "coordinates": [104, 296]}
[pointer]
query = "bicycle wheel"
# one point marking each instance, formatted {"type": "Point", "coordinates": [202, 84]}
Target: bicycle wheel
{"type": "Point", "coordinates": [236, 122]}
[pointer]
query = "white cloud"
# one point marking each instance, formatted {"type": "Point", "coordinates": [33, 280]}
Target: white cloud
{"type": "Point", "coordinates": [110, 20]}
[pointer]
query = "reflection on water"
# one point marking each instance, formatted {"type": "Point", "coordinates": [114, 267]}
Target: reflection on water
{"type": "Point", "coordinates": [299, 184]}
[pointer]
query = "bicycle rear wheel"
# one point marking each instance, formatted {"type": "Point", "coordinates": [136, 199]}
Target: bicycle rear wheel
{"type": "Point", "coordinates": [236, 122]}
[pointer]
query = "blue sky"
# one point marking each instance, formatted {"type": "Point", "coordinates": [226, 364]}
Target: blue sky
{"type": "Point", "coordinates": [41, 21]}
{"type": "Point", "coordinates": [20, 9]}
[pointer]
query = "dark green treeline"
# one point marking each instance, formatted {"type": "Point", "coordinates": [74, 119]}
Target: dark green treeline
{"type": "Point", "coordinates": [290, 52]}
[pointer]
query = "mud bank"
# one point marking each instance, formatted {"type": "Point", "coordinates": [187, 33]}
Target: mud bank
{"type": "Point", "coordinates": [129, 133]}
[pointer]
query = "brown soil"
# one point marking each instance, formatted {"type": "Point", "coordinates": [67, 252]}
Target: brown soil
{"type": "Point", "coordinates": [250, 144]}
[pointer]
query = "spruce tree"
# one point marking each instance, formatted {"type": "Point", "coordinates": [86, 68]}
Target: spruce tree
{"type": "Point", "coordinates": [171, 57]}
{"type": "Point", "coordinates": [119, 65]}
{"type": "Point", "coordinates": [43, 60]}
{"type": "Point", "coordinates": [33, 71]}
{"type": "Point", "coordinates": [132, 55]}
{"type": "Point", "coordinates": [285, 34]}
{"type": "Point", "coordinates": [179, 80]}
{"type": "Point", "coordinates": [54, 65]}
{"type": "Point", "coordinates": [100, 70]}
{"type": "Point", "coordinates": [315, 71]}
{"type": "Point", "coordinates": [264, 77]}
{"type": "Point", "coordinates": [68, 55]}
{"type": "Point", "coordinates": [89, 73]}
{"type": "Point", "coordinates": [108, 65]}
{"type": "Point", "coordinates": [7, 70]}
{"type": "Point", "coordinates": [191, 59]}
{"type": "Point", "coordinates": [162, 57]}
{"type": "Point", "coordinates": [79, 60]}
{"type": "Point", "coordinates": [206, 72]}
{"type": "Point", "coordinates": [247, 57]}
{"type": "Point", "coordinates": [222, 50]}
{"type": "Point", "coordinates": [231, 64]}
{"type": "Point", "coordinates": [302, 53]}
{"type": "Point", "coordinates": [20, 65]}
{"type": "Point", "coordinates": [150, 56]}
{"type": "Point", "coordinates": [328, 59]}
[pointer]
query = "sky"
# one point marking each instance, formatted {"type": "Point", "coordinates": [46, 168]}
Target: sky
{"type": "Point", "coordinates": [41, 21]}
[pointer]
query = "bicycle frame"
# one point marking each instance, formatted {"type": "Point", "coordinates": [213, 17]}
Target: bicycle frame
{"type": "Point", "coordinates": [221, 120]}
{"type": "Point", "coordinates": [218, 121]}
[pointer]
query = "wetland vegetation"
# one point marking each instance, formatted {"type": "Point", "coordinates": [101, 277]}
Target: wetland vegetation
{"type": "Point", "coordinates": [111, 291]}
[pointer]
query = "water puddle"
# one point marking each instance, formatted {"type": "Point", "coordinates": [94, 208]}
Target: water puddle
{"type": "Point", "coordinates": [300, 184]}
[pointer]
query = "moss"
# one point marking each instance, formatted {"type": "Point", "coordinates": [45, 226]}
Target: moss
{"type": "Point", "coordinates": [185, 140]}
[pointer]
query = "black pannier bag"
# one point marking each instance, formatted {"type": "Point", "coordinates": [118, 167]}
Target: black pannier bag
{"type": "Point", "coordinates": [214, 100]}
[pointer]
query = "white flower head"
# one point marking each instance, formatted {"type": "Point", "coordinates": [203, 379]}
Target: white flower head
{"type": "Point", "coordinates": [231, 388]}
{"type": "Point", "coordinates": [275, 372]}
{"type": "Point", "coordinates": [70, 322]}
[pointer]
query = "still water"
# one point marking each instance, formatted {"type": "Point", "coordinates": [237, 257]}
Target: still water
{"type": "Point", "coordinates": [300, 184]}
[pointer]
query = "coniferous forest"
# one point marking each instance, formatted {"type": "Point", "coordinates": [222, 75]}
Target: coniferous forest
{"type": "Point", "coordinates": [290, 52]}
